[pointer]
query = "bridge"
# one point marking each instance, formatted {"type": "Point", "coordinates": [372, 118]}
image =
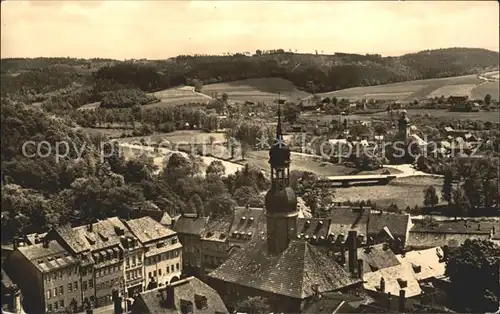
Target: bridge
{"type": "Point", "coordinates": [345, 181]}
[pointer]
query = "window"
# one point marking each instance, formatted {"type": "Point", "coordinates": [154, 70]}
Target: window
{"type": "Point", "coordinates": [168, 269]}
{"type": "Point", "coordinates": [70, 287]}
{"type": "Point", "coordinates": [159, 272]}
{"type": "Point", "coordinates": [49, 294]}
{"type": "Point", "coordinates": [128, 276]}
{"type": "Point", "coordinates": [174, 240]}
{"type": "Point", "coordinates": [75, 285]}
{"type": "Point", "coordinates": [69, 271]}
{"type": "Point", "coordinates": [61, 290]}
{"type": "Point", "coordinates": [91, 284]}
{"type": "Point", "coordinates": [54, 276]}
{"type": "Point", "coordinates": [56, 305]}
{"type": "Point", "coordinates": [177, 266]}
{"type": "Point", "coordinates": [60, 274]}
{"type": "Point", "coordinates": [49, 307]}
{"type": "Point", "coordinates": [84, 271]}
{"type": "Point", "coordinates": [84, 285]}
{"type": "Point", "coordinates": [176, 253]}
{"type": "Point", "coordinates": [172, 268]}
{"type": "Point", "coordinates": [133, 260]}
{"type": "Point", "coordinates": [154, 273]}
{"type": "Point", "coordinates": [61, 303]}
{"type": "Point", "coordinates": [149, 275]}
{"type": "Point", "coordinates": [55, 292]}
{"type": "Point", "coordinates": [128, 262]}
{"type": "Point", "coordinates": [47, 278]}
{"type": "Point", "coordinates": [139, 259]}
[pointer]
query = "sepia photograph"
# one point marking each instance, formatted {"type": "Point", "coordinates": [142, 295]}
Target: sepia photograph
{"type": "Point", "coordinates": [250, 157]}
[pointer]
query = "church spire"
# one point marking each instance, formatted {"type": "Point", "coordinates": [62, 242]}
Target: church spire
{"type": "Point", "coordinates": [279, 131]}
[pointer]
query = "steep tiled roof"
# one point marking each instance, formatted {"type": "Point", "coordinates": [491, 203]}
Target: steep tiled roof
{"type": "Point", "coordinates": [456, 227]}
{"type": "Point", "coordinates": [392, 277]}
{"type": "Point", "coordinates": [425, 263]}
{"type": "Point", "coordinates": [292, 273]}
{"type": "Point", "coordinates": [184, 290]}
{"type": "Point", "coordinates": [332, 302]}
{"type": "Point", "coordinates": [343, 219]}
{"type": "Point", "coordinates": [47, 258]}
{"type": "Point", "coordinates": [375, 257]}
{"type": "Point", "coordinates": [313, 227]}
{"type": "Point", "coordinates": [424, 240]}
{"type": "Point", "coordinates": [190, 225]}
{"type": "Point", "coordinates": [247, 221]}
{"type": "Point", "coordinates": [217, 229]}
{"type": "Point", "coordinates": [146, 229]}
{"type": "Point", "coordinates": [104, 234]}
{"type": "Point", "coordinates": [397, 223]}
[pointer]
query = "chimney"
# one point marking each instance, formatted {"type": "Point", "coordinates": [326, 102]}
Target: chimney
{"type": "Point", "coordinates": [353, 251]}
{"type": "Point", "coordinates": [37, 238]}
{"type": "Point", "coordinates": [360, 269]}
{"type": "Point", "coordinates": [117, 301]}
{"type": "Point", "coordinates": [446, 251]}
{"type": "Point", "coordinates": [389, 300]}
{"type": "Point", "coordinates": [493, 229]}
{"type": "Point", "coordinates": [45, 242]}
{"type": "Point", "coordinates": [170, 300]}
{"type": "Point", "coordinates": [382, 284]}
{"type": "Point", "coordinates": [478, 226]}
{"type": "Point", "coordinates": [342, 255]}
{"type": "Point", "coordinates": [402, 296]}
{"type": "Point", "coordinates": [16, 300]}
{"type": "Point", "coordinates": [90, 227]}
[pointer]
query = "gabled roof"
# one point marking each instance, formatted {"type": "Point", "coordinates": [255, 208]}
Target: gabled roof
{"type": "Point", "coordinates": [376, 257]}
{"type": "Point", "coordinates": [425, 263]}
{"type": "Point", "coordinates": [313, 227]}
{"type": "Point", "coordinates": [146, 229]}
{"type": "Point", "coordinates": [293, 273]}
{"type": "Point", "coordinates": [396, 223]}
{"type": "Point", "coordinates": [104, 234]}
{"type": "Point", "coordinates": [48, 258]}
{"type": "Point", "coordinates": [191, 225]}
{"type": "Point", "coordinates": [392, 277]}
{"type": "Point", "coordinates": [248, 221]}
{"type": "Point", "coordinates": [185, 290]}
{"type": "Point", "coordinates": [217, 229]}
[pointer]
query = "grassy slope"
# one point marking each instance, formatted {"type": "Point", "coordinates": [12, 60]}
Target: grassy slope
{"type": "Point", "coordinates": [263, 89]}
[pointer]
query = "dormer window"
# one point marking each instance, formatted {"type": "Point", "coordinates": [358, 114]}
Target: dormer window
{"type": "Point", "coordinates": [416, 268]}
{"type": "Point", "coordinates": [402, 283]}
{"type": "Point", "coordinates": [251, 218]}
{"type": "Point", "coordinates": [243, 218]}
{"type": "Point", "coordinates": [186, 306]}
{"type": "Point", "coordinates": [209, 234]}
{"type": "Point", "coordinates": [201, 301]}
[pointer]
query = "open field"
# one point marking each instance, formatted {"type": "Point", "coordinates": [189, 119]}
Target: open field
{"type": "Point", "coordinates": [410, 90]}
{"type": "Point", "coordinates": [90, 106]}
{"type": "Point", "coordinates": [194, 136]}
{"type": "Point", "coordinates": [453, 90]}
{"type": "Point", "coordinates": [401, 191]}
{"type": "Point", "coordinates": [178, 96]}
{"type": "Point", "coordinates": [262, 89]}
{"type": "Point", "coordinates": [481, 90]}
{"type": "Point", "coordinates": [301, 163]}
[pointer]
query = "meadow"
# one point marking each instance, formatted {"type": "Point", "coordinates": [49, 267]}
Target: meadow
{"type": "Point", "coordinates": [262, 89]}
{"type": "Point", "coordinates": [188, 136]}
{"type": "Point", "coordinates": [178, 96]}
{"type": "Point", "coordinates": [491, 88]}
{"type": "Point", "coordinates": [408, 191]}
{"type": "Point", "coordinates": [411, 90]}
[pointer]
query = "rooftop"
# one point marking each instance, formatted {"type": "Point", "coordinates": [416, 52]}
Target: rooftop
{"type": "Point", "coordinates": [456, 227]}
{"type": "Point", "coordinates": [217, 229]}
{"type": "Point", "coordinates": [376, 257]}
{"type": "Point", "coordinates": [396, 278]}
{"type": "Point", "coordinates": [103, 234]}
{"type": "Point", "coordinates": [333, 302]}
{"type": "Point", "coordinates": [146, 229]}
{"type": "Point", "coordinates": [248, 221]}
{"type": "Point", "coordinates": [425, 263]}
{"type": "Point", "coordinates": [190, 224]}
{"type": "Point", "coordinates": [396, 223]}
{"type": "Point", "coordinates": [188, 290]}
{"type": "Point", "coordinates": [294, 273]}
{"type": "Point", "coordinates": [46, 259]}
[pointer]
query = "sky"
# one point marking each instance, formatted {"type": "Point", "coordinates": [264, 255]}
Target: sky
{"type": "Point", "coordinates": [162, 29]}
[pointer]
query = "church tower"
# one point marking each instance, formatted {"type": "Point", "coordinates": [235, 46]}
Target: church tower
{"type": "Point", "coordinates": [281, 202]}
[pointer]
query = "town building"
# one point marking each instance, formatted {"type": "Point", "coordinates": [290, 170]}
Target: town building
{"type": "Point", "coordinates": [78, 268]}
{"type": "Point", "coordinates": [189, 295]}
{"type": "Point", "coordinates": [162, 254]}
{"type": "Point", "coordinates": [288, 271]}
{"type": "Point", "coordinates": [47, 276]}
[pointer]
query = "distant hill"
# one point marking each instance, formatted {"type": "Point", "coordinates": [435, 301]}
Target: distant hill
{"type": "Point", "coordinates": [312, 73]}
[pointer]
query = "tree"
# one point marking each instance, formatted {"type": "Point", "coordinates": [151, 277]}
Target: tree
{"type": "Point", "coordinates": [220, 205]}
{"type": "Point", "coordinates": [216, 168]}
{"type": "Point", "coordinates": [198, 85]}
{"type": "Point", "coordinates": [447, 189]}
{"type": "Point", "coordinates": [461, 202]}
{"type": "Point", "coordinates": [430, 196]}
{"type": "Point", "coordinates": [253, 305]}
{"type": "Point", "coordinates": [291, 112]}
{"type": "Point", "coordinates": [487, 99]}
{"type": "Point", "coordinates": [475, 259]}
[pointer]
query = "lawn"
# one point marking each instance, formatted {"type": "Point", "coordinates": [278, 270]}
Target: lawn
{"type": "Point", "coordinates": [178, 96]}
{"type": "Point", "coordinates": [189, 136]}
{"type": "Point", "coordinates": [410, 90]}
{"type": "Point", "coordinates": [491, 88]}
{"type": "Point", "coordinates": [453, 90]}
{"type": "Point", "coordinates": [401, 191]}
{"type": "Point", "coordinates": [299, 162]}
{"type": "Point", "coordinates": [262, 89]}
